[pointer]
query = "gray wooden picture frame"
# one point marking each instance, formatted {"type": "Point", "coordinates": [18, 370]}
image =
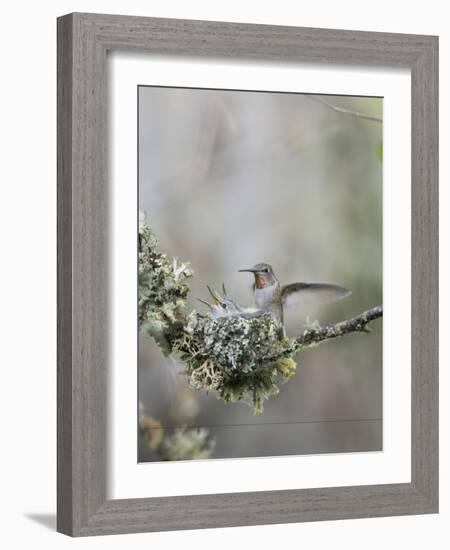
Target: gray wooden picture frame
{"type": "Point", "coordinates": [83, 41]}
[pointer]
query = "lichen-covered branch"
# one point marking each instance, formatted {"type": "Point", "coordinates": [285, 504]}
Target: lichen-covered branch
{"type": "Point", "coordinates": [238, 357]}
{"type": "Point", "coordinates": [356, 324]}
{"type": "Point", "coordinates": [314, 335]}
{"type": "Point", "coordinates": [162, 290]}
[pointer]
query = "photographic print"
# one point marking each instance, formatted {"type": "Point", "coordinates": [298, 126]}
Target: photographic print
{"type": "Point", "coordinates": [259, 273]}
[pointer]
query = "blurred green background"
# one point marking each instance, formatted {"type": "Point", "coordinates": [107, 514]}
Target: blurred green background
{"type": "Point", "coordinates": [232, 178]}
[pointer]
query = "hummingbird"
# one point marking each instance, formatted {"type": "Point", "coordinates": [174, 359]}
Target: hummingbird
{"type": "Point", "coordinates": [273, 297]}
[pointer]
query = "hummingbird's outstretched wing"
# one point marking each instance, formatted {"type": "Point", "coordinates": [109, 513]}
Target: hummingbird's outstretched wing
{"type": "Point", "coordinates": [312, 294]}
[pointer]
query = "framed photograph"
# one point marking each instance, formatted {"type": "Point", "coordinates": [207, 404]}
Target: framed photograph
{"type": "Point", "coordinates": [247, 274]}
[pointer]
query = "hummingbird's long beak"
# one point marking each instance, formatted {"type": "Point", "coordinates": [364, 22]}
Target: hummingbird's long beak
{"type": "Point", "coordinates": [247, 270]}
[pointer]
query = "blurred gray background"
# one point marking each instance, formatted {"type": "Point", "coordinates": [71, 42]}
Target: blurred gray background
{"type": "Point", "coordinates": [232, 178]}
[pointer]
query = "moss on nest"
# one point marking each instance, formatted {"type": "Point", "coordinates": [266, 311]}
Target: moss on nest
{"type": "Point", "coordinates": [229, 356]}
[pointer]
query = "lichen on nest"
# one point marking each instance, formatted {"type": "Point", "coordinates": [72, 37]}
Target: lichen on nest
{"type": "Point", "coordinates": [228, 355]}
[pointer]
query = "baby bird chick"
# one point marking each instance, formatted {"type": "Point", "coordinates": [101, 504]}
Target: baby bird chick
{"type": "Point", "coordinates": [224, 306]}
{"type": "Point", "coordinates": [221, 306]}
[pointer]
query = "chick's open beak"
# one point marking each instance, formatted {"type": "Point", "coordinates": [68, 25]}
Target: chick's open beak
{"type": "Point", "coordinates": [215, 296]}
{"type": "Point", "coordinates": [205, 302]}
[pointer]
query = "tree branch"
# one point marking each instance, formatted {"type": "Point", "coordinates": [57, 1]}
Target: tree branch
{"type": "Point", "coordinates": [342, 110]}
{"type": "Point", "coordinates": [313, 336]}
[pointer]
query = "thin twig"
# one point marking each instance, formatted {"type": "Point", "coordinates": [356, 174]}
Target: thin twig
{"type": "Point", "coordinates": [342, 110]}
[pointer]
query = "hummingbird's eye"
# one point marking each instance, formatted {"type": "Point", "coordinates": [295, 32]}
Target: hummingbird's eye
{"type": "Point", "coordinates": [224, 305]}
{"type": "Point", "coordinates": [266, 270]}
